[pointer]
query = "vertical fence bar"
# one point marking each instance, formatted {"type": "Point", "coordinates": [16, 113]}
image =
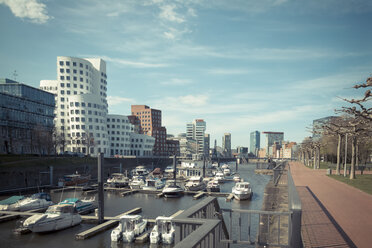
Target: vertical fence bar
{"type": "Point", "coordinates": [231, 225]}
{"type": "Point", "coordinates": [249, 227]}
{"type": "Point", "coordinates": [279, 229]}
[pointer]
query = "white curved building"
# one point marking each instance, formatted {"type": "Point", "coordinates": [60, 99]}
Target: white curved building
{"type": "Point", "coordinates": [81, 104]}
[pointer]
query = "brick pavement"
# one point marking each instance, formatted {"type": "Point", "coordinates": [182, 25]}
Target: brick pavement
{"type": "Point", "coordinates": [348, 208]}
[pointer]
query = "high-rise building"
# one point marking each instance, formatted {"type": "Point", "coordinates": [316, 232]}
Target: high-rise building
{"type": "Point", "coordinates": [26, 119]}
{"type": "Point", "coordinates": [318, 123]}
{"type": "Point", "coordinates": [150, 123]}
{"type": "Point", "coordinates": [81, 104]}
{"type": "Point", "coordinates": [272, 138]}
{"type": "Point", "coordinates": [254, 142]}
{"type": "Point", "coordinates": [196, 131]}
{"type": "Point", "coordinates": [226, 144]}
{"type": "Point", "coordinates": [207, 140]}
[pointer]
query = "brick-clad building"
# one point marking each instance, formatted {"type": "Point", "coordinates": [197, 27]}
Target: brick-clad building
{"type": "Point", "coordinates": [148, 121]}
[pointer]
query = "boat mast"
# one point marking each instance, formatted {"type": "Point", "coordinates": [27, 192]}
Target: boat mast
{"type": "Point", "coordinates": [175, 168]}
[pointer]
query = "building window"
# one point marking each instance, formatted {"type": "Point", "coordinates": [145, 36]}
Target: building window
{"type": "Point", "coordinates": [67, 77]}
{"type": "Point", "coordinates": [74, 63]}
{"type": "Point", "coordinates": [67, 70]}
{"type": "Point", "coordinates": [61, 70]}
{"type": "Point", "coordinates": [62, 77]}
{"type": "Point", "coordinates": [75, 78]}
{"type": "Point", "coordinates": [61, 63]}
{"type": "Point", "coordinates": [68, 63]}
{"type": "Point", "coordinates": [81, 65]}
{"type": "Point", "coordinates": [81, 80]}
{"type": "Point", "coordinates": [75, 85]}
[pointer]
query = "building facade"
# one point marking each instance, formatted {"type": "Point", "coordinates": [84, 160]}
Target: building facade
{"type": "Point", "coordinates": [81, 104]}
{"type": "Point", "coordinates": [254, 144]}
{"type": "Point", "coordinates": [26, 119]}
{"type": "Point", "coordinates": [318, 123]}
{"type": "Point", "coordinates": [196, 131]}
{"type": "Point", "coordinates": [270, 139]}
{"type": "Point", "coordinates": [149, 123]}
{"type": "Point", "coordinates": [226, 144]}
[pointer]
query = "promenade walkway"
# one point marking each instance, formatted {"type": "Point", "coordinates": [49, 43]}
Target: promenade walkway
{"type": "Point", "coordinates": [333, 212]}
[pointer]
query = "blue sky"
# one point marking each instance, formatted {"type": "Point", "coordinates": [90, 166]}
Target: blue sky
{"type": "Point", "coordinates": [241, 65]}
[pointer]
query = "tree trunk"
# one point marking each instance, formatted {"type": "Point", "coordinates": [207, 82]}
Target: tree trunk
{"type": "Point", "coordinates": [353, 148]}
{"type": "Point", "coordinates": [345, 172]}
{"type": "Point", "coordinates": [314, 158]}
{"type": "Point", "coordinates": [318, 158]}
{"type": "Point", "coordinates": [338, 154]}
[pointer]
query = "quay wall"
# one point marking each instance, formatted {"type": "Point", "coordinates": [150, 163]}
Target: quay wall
{"type": "Point", "coordinates": [20, 176]}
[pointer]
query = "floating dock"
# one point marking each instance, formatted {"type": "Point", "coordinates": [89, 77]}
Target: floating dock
{"type": "Point", "coordinates": [230, 197]}
{"type": "Point", "coordinates": [198, 195]}
{"type": "Point", "coordinates": [104, 226]}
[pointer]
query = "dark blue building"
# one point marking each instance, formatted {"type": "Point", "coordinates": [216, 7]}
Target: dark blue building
{"type": "Point", "coordinates": [26, 118]}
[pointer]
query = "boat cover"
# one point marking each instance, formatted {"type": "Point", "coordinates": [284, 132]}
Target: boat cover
{"type": "Point", "coordinates": [11, 200]}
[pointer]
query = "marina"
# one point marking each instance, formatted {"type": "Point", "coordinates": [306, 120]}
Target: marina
{"type": "Point", "coordinates": [116, 205]}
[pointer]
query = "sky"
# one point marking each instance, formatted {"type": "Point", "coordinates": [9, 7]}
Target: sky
{"type": "Point", "coordinates": [241, 65]}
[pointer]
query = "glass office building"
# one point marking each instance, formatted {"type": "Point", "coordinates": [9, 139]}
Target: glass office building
{"type": "Point", "coordinates": [25, 112]}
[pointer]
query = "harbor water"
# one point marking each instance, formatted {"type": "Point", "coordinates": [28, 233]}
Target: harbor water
{"type": "Point", "coordinates": [115, 204]}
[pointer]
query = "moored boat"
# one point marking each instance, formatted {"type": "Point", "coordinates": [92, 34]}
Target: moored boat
{"type": "Point", "coordinates": [35, 201]}
{"type": "Point", "coordinates": [118, 180]}
{"type": "Point", "coordinates": [82, 206]}
{"type": "Point", "coordinates": [164, 230]}
{"type": "Point", "coordinates": [195, 183]}
{"type": "Point", "coordinates": [73, 180]}
{"type": "Point", "coordinates": [237, 178]}
{"type": "Point", "coordinates": [153, 184]}
{"type": "Point", "coordinates": [129, 227]}
{"type": "Point", "coordinates": [140, 171]}
{"type": "Point", "coordinates": [242, 191]}
{"type": "Point", "coordinates": [213, 186]}
{"type": "Point", "coordinates": [172, 190]}
{"type": "Point", "coordinates": [226, 171]}
{"type": "Point", "coordinates": [137, 182]}
{"type": "Point", "coordinates": [56, 217]}
{"type": "Point", "coordinates": [219, 177]}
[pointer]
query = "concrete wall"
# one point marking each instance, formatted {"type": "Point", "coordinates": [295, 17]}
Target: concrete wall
{"type": "Point", "coordinates": [14, 177]}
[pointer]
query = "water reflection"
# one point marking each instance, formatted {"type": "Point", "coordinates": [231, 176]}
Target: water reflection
{"type": "Point", "coordinates": [115, 204]}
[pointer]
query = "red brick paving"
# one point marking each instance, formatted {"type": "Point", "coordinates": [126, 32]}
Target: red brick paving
{"type": "Point", "coordinates": [350, 208]}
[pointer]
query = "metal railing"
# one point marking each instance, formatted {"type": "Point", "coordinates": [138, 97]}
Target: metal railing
{"type": "Point", "coordinates": [257, 227]}
{"type": "Point", "coordinates": [201, 225]}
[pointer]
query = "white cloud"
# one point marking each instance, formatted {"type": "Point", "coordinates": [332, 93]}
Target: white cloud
{"type": "Point", "coordinates": [193, 100]}
{"type": "Point", "coordinates": [226, 71]}
{"type": "Point", "coordinates": [177, 82]}
{"type": "Point", "coordinates": [28, 9]}
{"type": "Point", "coordinates": [168, 13]}
{"type": "Point", "coordinates": [116, 100]}
{"type": "Point", "coordinates": [134, 64]}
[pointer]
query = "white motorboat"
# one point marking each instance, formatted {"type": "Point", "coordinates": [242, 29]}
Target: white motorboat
{"type": "Point", "coordinates": [242, 191]}
{"type": "Point", "coordinates": [118, 180]}
{"type": "Point", "coordinates": [195, 183]}
{"type": "Point", "coordinates": [82, 206]}
{"type": "Point", "coordinates": [36, 201]}
{"type": "Point", "coordinates": [56, 217]}
{"type": "Point", "coordinates": [237, 178]}
{"type": "Point", "coordinates": [226, 172]}
{"type": "Point", "coordinates": [9, 203]}
{"type": "Point", "coordinates": [225, 166]}
{"type": "Point", "coordinates": [163, 230]}
{"type": "Point", "coordinates": [169, 169]}
{"type": "Point", "coordinates": [219, 177]}
{"type": "Point", "coordinates": [137, 182]}
{"type": "Point", "coordinates": [172, 190]}
{"type": "Point", "coordinates": [153, 184]}
{"type": "Point", "coordinates": [213, 186]}
{"type": "Point", "coordinates": [129, 227]}
{"type": "Point", "coordinates": [140, 171]}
